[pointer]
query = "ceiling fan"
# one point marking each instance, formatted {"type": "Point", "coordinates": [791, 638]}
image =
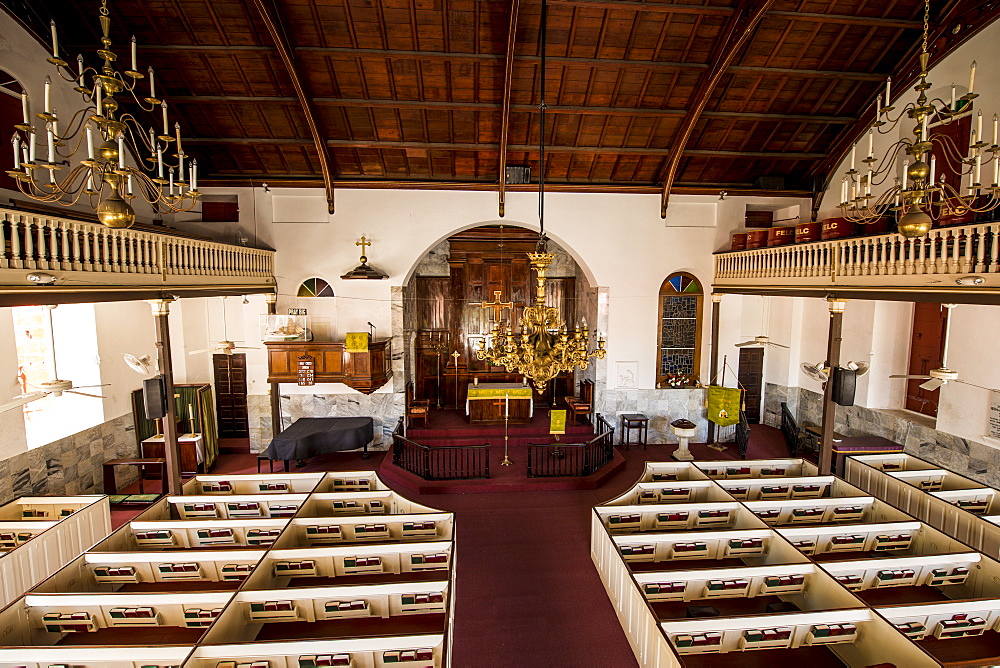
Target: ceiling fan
{"type": "Point", "coordinates": [225, 346]}
{"type": "Point", "coordinates": [54, 386]}
{"type": "Point", "coordinates": [760, 341]}
{"type": "Point", "coordinates": [943, 375]}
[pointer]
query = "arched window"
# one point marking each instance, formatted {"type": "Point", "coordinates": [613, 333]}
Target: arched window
{"type": "Point", "coordinates": [314, 287]}
{"type": "Point", "coordinates": [678, 353]}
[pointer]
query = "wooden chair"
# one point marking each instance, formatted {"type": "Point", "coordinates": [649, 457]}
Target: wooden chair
{"type": "Point", "coordinates": [416, 409]}
{"type": "Point", "coordinates": [582, 406]}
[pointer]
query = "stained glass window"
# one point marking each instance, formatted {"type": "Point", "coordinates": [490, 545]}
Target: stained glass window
{"type": "Point", "coordinates": [314, 287]}
{"type": "Point", "coordinates": [678, 346]}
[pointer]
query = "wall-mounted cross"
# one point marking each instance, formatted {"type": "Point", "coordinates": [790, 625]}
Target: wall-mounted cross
{"type": "Point", "coordinates": [497, 305]}
{"type": "Point", "coordinates": [363, 243]}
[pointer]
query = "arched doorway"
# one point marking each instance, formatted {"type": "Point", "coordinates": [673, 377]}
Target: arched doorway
{"type": "Point", "coordinates": [446, 314]}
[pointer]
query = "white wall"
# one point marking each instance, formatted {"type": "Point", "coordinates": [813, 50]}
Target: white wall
{"type": "Point", "coordinates": [12, 438]}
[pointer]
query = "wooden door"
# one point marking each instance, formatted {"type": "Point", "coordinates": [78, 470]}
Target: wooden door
{"type": "Point", "coordinates": [231, 395]}
{"type": "Point", "coordinates": [926, 346]}
{"type": "Point", "coordinates": [751, 377]}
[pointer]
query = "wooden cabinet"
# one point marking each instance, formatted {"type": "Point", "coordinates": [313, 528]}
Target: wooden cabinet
{"type": "Point", "coordinates": [365, 371]}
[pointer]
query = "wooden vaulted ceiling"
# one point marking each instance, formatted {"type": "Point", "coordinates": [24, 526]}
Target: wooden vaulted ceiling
{"type": "Point", "coordinates": [412, 90]}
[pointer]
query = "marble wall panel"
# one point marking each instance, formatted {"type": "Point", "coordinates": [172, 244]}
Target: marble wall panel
{"type": "Point", "coordinates": [973, 459]}
{"type": "Point", "coordinates": [71, 465]}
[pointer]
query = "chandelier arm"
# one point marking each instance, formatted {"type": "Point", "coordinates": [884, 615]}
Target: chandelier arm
{"type": "Point", "coordinates": [887, 161]}
{"type": "Point", "coordinates": [950, 148]}
{"type": "Point", "coordinates": [78, 119]}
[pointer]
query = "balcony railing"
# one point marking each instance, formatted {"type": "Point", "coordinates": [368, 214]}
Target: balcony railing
{"type": "Point", "coordinates": [889, 260]}
{"type": "Point", "coordinates": [80, 250]}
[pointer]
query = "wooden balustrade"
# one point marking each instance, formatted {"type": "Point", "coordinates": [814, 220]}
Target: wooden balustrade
{"type": "Point", "coordinates": [35, 242]}
{"type": "Point", "coordinates": [547, 460]}
{"type": "Point", "coordinates": [440, 462]}
{"type": "Point", "coordinates": [887, 260]}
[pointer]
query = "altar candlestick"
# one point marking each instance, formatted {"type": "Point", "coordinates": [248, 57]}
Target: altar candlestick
{"type": "Point", "coordinates": [506, 406]}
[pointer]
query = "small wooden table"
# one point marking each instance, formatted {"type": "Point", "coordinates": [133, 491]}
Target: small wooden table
{"type": "Point", "coordinates": [814, 435]}
{"type": "Point", "coordinates": [111, 487]}
{"type": "Point", "coordinates": [637, 421]}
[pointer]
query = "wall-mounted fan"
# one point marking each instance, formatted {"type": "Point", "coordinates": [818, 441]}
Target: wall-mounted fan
{"type": "Point", "coordinates": [54, 386]}
{"type": "Point", "coordinates": [943, 375]}
{"type": "Point", "coordinates": [819, 372]}
{"type": "Point", "coordinates": [141, 365]}
{"type": "Point", "coordinates": [760, 341]}
{"type": "Point", "coordinates": [225, 346]}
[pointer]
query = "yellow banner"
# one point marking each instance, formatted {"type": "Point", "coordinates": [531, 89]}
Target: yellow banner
{"type": "Point", "coordinates": [357, 342]}
{"type": "Point", "coordinates": [557, 424]}
{"type": "Point", "coordinates": [724, 405]}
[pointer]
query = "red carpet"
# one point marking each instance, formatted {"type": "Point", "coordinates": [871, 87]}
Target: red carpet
{"type": "Point", "coordinates": [527, 592]}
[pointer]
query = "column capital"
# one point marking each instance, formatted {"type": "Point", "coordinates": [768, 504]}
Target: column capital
{"type": "Point", "coordinates": [271, 297]}
{"type": "Point", "coordinates": [716, 297]}
{"type": "Point", "coordinates": [160, 307]}
{"type": "Point", "coordinates": [836, 304]}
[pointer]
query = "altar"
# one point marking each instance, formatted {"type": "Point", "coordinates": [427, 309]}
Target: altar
{"type": "Point", "coordinates": [484, 403]}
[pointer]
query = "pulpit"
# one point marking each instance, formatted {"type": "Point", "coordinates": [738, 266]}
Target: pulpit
{"type": "Point", "coordinates": [487, 403]}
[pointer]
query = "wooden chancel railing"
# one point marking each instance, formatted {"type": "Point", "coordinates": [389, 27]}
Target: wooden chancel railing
{"type": "Point", "coordinates": [79, 250]}
{"type": "Point", "coordinates": [440, 462]}
{"type": "Point", "coordinates": [547, 460]}
{"type": "Point", "coordinates": [887, 260]}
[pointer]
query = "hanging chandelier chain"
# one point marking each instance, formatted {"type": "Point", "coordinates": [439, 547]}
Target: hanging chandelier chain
{"type": "Point", "coordinates": [927, 21]}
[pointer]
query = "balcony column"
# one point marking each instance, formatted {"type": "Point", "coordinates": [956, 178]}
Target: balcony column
{"type": "Point", "coordinates": [832, 361]}
{"type": "Point", "coordinates": [171, 452]}
{"type": "Point", "coordinates": [274, 392]}
{"type": "Point", "coordinates": [714, 360]}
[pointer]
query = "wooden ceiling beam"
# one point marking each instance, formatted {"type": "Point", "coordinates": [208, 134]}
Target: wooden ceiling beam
{"type": "Point", "coordinates": [272, 20]}
{"type": "Point", "coordinates": [490, 107]}
{"type": "Point", "coordinates": [739, 29]}
{"type": "Point", "coordinates": [508, 77]}
{"type": "Point", "coordinates": [701, 10]}
{"type": "Point", "coordinates": [494, 146]}
{"type": "Point", "coordinates": [655, 65]}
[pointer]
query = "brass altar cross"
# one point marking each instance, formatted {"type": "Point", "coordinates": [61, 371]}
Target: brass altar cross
{"type": "Point", "coordinates": [456, 355]}
{"type": "Point", "coordinates": [363, 243]}
{"type": "Point", "coordinates": [497, 305]}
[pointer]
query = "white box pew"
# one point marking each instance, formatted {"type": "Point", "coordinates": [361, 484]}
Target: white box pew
{"type": "Point", "coordinates": [249, 484]}
{"type": "Point", "coordinates": [757, 468]}
{"type": "Point", "coordinates": [840, 510]}
{"type": "Point", "coordinates": [704, 583]}
{"type": "Point", "coordinates": [352, 560]}
{"type": "Point", "coordinates": [52, 615]}
{"type": "Point", "coordinates": [671, 471]}
{"type": "Point", "coordinates": [677, 517]}
{"type": "Point", "coordinates": [134, 567]}
{"type": "Point", "coordinates": [858, 637]}
{"type": "Point", "coordinates": [380, 502]}
{"type": "Point", "coordinates": [14, 533]}
{"type": "Point", "coordinates": [763, 489]}
{"type": "Point", "coordinates": [935, 480]}
{"type": "Point", "coordinates": [678, 491]}
{"type": "Point", "coordinates": [753, 545]}
{"type": "Point", "coordinates": [979, 501]}
{"type": "Point", "coordinates": [422, 651]}
{"type": "Point", "coordinates": [934, 508]}
{"type": "Point", "coordinates": [311, 604]}
{"type": "Point", "coordinates": [236, 506]}
{"type": "Point", "coordinates": [74, 523]}
{"type": "Point", "coordinates": [306, 532]}
{"type": "Point", "coordinates": [938, 570]}
{"type": "Point", "coordinates": [177, 534]}
{"type": "Point", "coordinates": [96, 657]}
{"type": "Point", "coordinates": [948, 620]}
{"type": "Point", "coordinates": [883, 537]}
{"type": "Point", "coordinates": [351, 481]}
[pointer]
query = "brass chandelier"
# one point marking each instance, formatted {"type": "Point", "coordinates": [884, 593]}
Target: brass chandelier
{"type": "Point", "coordinates": [925, 192]}
{"type": "Point", "coordinates": [103, 175]}
{"type": "Point", "coordinates": [544, 348]}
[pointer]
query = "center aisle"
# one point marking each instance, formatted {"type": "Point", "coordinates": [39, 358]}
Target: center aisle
{"type": "Point", "coordinates": [528, 593]}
